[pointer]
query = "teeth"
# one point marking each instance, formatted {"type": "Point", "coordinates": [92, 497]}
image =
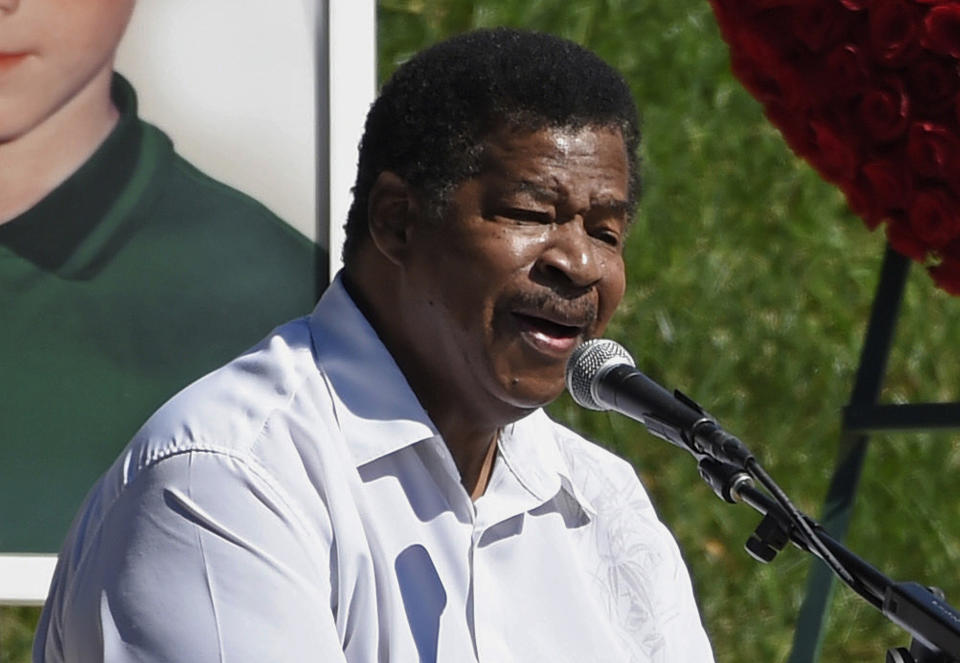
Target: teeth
{"type": "Point", "coordinates": [539, 335]}
{"type": "Point", "coordinates": [558, 330]}
{"type": "Point", "coordinates": [548, 328]}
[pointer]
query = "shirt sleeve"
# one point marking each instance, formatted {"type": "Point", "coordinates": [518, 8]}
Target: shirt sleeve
{"type": "Point", "coordinates": [199, 558]}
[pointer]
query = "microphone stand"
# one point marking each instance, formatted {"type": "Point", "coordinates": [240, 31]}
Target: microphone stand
{"type": "Point", "coordinates": [932, 623]}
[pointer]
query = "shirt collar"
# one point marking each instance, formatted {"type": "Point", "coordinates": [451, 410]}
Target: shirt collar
{"type": "Point", "coordinates": [530, 448]}
{"type": "Point", "coordinates": [379, 414]}
{"type": "Point", "coordinates": [376, 409]}
{"type": "Point", "coordinates": [50, 232]}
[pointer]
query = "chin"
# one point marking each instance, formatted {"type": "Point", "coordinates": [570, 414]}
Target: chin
{"type": "Point", "coordinates": [525, 380]}
{"type": "Point", "coordinates": [529, 394]}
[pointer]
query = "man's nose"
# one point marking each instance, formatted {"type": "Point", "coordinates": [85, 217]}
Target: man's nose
{"type": "Point", "coordinates": [8, 6]}
{"type": "Point", "coordinates": [570, 256]}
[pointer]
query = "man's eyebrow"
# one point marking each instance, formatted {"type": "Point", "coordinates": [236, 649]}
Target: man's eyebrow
{"type": "Point", "coordinates": [613, 206]}
{"type": "Point", "coordinates": [616, 205]}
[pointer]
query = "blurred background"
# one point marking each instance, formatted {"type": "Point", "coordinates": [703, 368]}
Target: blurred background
{"type": "Point", "coordinates": [749, 288]}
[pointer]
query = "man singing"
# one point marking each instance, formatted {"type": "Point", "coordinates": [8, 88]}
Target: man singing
{"type": "Point", "coordinates": [378, 481]}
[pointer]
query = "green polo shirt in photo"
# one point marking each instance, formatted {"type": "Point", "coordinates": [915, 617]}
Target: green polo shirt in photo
{"type": "Point", "coordinates": [133, 278]}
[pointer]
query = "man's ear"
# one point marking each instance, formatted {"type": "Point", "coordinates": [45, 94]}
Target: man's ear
{"type": "Point", "coordinates": [392, 211]}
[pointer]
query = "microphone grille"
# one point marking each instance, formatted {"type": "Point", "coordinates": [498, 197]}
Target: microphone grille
{"type": "Point", "coordinates": [586, 365]}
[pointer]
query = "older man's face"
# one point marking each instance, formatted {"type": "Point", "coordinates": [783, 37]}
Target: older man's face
{"type": "Point", "coordinates": [527, 264]}
{"type": "Point", "coordinates": [50, 51]}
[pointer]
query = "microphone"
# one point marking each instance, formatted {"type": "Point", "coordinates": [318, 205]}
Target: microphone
{"type": "Point", "coordinates": [601, 375]}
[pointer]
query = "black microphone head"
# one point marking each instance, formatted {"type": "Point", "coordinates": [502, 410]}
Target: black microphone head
{"type": "Point", "coordinates": [587, 365]}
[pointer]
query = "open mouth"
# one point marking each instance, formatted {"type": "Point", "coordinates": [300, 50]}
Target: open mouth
{"type": "Point", "coordinates": [547, 327]}
{"type": "Point", "coordinates": [548, 336]}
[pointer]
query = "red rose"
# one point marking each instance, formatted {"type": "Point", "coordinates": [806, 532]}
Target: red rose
{"type": "Point", "coordinates": [758, 82]}
{"type": "Point", "coordinates": [732, 13]}
{"type": "Point", "coordinates": [885, 111]}
{"type": "Point", "coordinates": [861, 202]}
{"type": "Point", "coordinates": [845, 71]}
{"type": "Point", "coordinates": [935, 216]}
{"type": "Point", "coordinates": [760, 5]}
{"type": "Point", "coordinates": [933, 82]}
{"type": "Point", "coordinates": [728, 16]}
{"type": "Point", "coordinates": [868, 92]}
{"type": "Point", "coordinates": [933, 150]}
{"type": "Point", "coordinates": [820, 24]}
{"type": "Point", "coordinates": [769, 78]}
{"type": "Point", "coordinates": [881, 192]}
{"type": "Point", "coordinates": [887, 184]}
{"type": "Point", "coordinates": [903, 240]}
{"type": "Point", "coordinates": [894, 30]}
{"type": "Point", "coordinates": [941, 29]}
{"type": "Point", "coordinates": [795, 128]}
{"type": "Point", "coordinates": [947, 273]}
{"type": "Point", "coordinates": [834, 157]}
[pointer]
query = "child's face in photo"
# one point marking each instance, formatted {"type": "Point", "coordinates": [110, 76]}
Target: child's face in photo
{"type": "Point", "coordinates": [52, 52]}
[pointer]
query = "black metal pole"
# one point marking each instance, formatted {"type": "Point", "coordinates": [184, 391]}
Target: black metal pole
{"type": "Point", "coordinates": [808, 637]}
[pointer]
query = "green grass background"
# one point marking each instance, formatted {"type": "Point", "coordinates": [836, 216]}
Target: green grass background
{"type": "Point", "coordinates": [750, 284]}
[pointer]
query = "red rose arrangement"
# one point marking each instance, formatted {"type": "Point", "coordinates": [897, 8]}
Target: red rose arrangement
{"type": "Point", "coordinates": [868, 92]}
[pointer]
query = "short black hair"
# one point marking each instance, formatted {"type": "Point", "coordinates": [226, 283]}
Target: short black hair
{"type": "Point", "coordinates": [432, 116]}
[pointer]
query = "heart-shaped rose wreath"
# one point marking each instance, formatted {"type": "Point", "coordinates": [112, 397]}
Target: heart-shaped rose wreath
{"type": "Point", "coordinates": [868, 92]}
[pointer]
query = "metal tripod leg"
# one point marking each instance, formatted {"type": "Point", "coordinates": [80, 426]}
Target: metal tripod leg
{"type": "Point", "coordinates": [838, 507]}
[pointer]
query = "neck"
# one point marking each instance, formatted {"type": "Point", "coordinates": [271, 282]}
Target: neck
{"type": "Point", "coordinates": [35, 162]}
{"type": "Point", "coordinates": [469, 432]}
{"type": "Point", "coordinates": [474, 453]}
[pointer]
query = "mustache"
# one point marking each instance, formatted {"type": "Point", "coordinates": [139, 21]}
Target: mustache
{"type": "Point", "coordinates": [580, 311]}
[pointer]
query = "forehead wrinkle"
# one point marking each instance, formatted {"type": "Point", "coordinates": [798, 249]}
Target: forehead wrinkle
{"type": "Point", "coordinates": [547, 175]}
{"type": "Point", "coordinates": [539, 192]}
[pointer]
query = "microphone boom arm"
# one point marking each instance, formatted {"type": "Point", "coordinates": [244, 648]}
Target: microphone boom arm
{"type": "Point", "coordinates": [933, 623]}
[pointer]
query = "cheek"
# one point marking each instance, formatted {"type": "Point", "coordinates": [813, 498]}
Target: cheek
{"type": "Point", "coordinates": [482, 266]}
{"type": "Point", "coordinates": [85, 33]}
{"type": "Point", "coordinates": [452, 288]}
{"type": "Point", "coordinates": [29, 95]}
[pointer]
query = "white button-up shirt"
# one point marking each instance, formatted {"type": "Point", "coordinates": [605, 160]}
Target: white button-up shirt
{"type": "Point", "coordinates": [299, 505]}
